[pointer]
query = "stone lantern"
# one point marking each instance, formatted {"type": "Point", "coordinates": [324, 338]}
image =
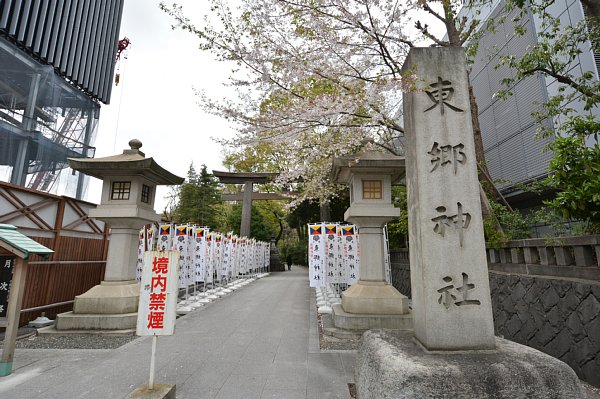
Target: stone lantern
{"type": "Point", "coordinates": [126, 205]}
{"type": "Point", "coordinates": [372, 302]}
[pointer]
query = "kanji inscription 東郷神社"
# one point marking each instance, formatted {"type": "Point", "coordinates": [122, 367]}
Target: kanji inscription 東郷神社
{"type": "Point", "coordinates": [442, 155]}
{"type": "Point", "coordinates": [441, 92]}
{"type": "Point", "coordinates": [447, 298]}
{"type": "Point", "coordinates": [460, 221]}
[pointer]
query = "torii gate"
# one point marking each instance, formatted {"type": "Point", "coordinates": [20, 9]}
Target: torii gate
{"type": "Point", "coordinates": [247, 196]}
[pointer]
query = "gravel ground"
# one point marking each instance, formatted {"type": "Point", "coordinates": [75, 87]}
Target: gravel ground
{"type": "Point", "coordinates": [28, 339]}
{"type": "Point", "coordinates": [332, 343]}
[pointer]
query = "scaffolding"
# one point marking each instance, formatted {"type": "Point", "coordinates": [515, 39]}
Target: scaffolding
{"type": "Point", "coordinates": [44, 119]}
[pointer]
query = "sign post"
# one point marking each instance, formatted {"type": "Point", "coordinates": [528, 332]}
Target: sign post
{"type": "Point", "coordinates": [156, 312]}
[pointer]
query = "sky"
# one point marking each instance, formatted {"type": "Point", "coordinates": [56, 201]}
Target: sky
{"type": "Point", "coordinates": [155, 101]}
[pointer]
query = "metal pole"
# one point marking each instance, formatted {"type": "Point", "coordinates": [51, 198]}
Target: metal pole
{"type": "Point", "coordinates": [152, 362]}
{"type": "Point", "coordinates": [19, 172]}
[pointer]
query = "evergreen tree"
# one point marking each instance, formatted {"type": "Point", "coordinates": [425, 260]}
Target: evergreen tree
{"type": "Point", "coordinates": [198, 199]}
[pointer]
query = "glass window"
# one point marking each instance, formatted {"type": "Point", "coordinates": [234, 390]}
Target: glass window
{"type": "Point", "coordinates": [146, 191]}
{"type": "Point", "coordinates": [372, 189]}
{"type": "Point", "coordinates": [120, 190]}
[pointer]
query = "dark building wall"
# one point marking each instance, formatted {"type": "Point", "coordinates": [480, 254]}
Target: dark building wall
{"type": "Point", "coordinates": [508, 131]}
{"type": "Point", "coordinates": [77, 37]}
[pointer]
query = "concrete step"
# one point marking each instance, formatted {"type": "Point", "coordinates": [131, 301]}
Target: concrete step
{"type": "Point", "coordinates": [86, 321]}
{"type": "Point", "coordinates": [343, 334]}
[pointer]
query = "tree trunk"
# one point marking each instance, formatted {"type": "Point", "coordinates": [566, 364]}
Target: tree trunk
{"type": "Point", "coordinates": [325, 212]}
{"type": "Point", "coordinates": [483, 172]}
{"type": "Point", "coordinates": [591, 8]}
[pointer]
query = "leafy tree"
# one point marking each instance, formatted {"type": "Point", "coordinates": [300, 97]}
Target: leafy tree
{"type": "Point", "coordinates": [576, 162]}
{"type": "Point", "coordinates": [316, 78]}
{"type": "Point", "coordinates": [198, 199]}
{"type": "Point", "coordinates": [264, 224]}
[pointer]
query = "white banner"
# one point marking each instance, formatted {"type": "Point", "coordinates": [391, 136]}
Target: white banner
{"type": "Point", "coordinates": [140, 254]}
{"type": "Point", "coordinates": [158, 293]}
{"type": "Point", "coordinates": [165, 237]}
{"type": "Point", "coordinates": [181, 244]}
{"type": "Point", "coordinates": [316, 255]}
{"type": "Point", "coordinates": [351, 253]}
{"type": "Point", "coordinates": [332, 273]}
{"type": "Point", "coordinates": [200, 254]}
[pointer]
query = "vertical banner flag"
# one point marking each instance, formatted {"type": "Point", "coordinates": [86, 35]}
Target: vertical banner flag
{"type": "Point", "coordinates": [243, 263]}
{"type": "Point", "coordinates": [140, 253]}
{"type": "Point", "coordinates": [351, 255]}
{"type": "Point", "coordinates": [316, 255]}
{"type": "Point", "coordinates": [151, 238]}
{"type": "Point", "coordinates": [189, 257]}
{"type": "Point", "coordinates": [235, 256]}
{"type": "Point", "coordinates": [181, 246]}
{"type": "Point", "coordinates": [218, 255]}
{"type": "Point", "coordinates": [158, 293]}
{"type": "Point", "coordinates": [331, 273]}
{"type": "Point", "coordinates": [339, 260]}
{"type": "Point", "coordinates": [211, 256]}
{"type": "Point", "coordinates": [165, 238]}
{"type": "Point", "coordinates": [199, 254]}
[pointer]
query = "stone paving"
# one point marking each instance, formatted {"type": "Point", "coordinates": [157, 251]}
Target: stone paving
{"type": "Point", "coordinates": [260, 341]}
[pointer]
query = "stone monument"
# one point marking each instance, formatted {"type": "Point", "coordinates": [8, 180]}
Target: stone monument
{"type": "Point", "coordinates": [372, 302]}
{"type": "Point", "coordinates": [453, 352]}
{"type": "Point", "coordinates": [126, 205]}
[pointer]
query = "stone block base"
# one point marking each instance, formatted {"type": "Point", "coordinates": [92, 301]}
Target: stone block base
{"type": "Point", "coordinates": [109, 298]}
{"type": "Point", "coordinates": [74, 321]}
{"type": "Point", "coordinates": [51, 330]}
{"type": "Point", "coordinates": [353, 321]}
{"type": "Point", "coordinates": [159, 391]}
{"type": "Point", "coordinates": [374, 298]}
{"type": "Point", "coordinates": [391, 364]}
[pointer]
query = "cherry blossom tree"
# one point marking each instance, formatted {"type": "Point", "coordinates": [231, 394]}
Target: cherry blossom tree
{"type": "Point", "coordinates": [316, 79]}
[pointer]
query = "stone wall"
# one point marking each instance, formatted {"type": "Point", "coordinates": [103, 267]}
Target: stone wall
{"type": "Point", "coordinates": [556, 316]}
{"type": "Point", "coordinates": [550, 303]}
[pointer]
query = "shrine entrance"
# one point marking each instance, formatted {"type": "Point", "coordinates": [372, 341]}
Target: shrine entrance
{"type": "Point", "coordinates": [247, 196]}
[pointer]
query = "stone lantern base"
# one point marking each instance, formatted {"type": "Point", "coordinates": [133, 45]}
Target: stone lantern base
{"type": "Point", "coordinates": [372, 304]}
{"type": "Point", "coordinates": [377, 297]}
{"type": "Point", "coordinates": [111, 305]}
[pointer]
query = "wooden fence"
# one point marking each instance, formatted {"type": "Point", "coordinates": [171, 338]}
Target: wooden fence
{"type": "Point", "coordinates": [62, 224]}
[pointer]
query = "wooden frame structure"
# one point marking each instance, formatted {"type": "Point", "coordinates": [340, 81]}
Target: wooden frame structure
{"type": "Point", "coordinates": [80, 244]}
{"type": "Point", "coordinates": [16, 244]}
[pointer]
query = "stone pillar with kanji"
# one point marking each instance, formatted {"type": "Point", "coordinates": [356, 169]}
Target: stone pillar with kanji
{"type": "Point", "coordinates": [452, 352]}
{"type": "Point", "coordinates": [449, 276]}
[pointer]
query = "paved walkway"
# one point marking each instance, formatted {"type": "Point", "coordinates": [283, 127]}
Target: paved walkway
{"type": "Point", "coordinates": [261, 341]}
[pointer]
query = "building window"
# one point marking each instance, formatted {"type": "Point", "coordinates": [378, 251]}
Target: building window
{"type": "Point", "coordinates": [372, 189]}
{"type": "Point", "coordinates": [146, 194]}
{"type": "Point", "coordinates": [120, 190]}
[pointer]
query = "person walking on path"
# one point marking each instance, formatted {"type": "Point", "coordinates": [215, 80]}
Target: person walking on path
{"type": "Point", "coordinates": [289, 262]}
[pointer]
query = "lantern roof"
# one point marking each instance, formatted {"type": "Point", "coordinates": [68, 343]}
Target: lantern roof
{"type": "Point", "coordinates": [131, 162]}
{"type": "Point", "coordinates": [368, 162]}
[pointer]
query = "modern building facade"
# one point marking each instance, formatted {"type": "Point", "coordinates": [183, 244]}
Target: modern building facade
{"type": "Point", "coordinates": [513, 153]}
{"type": "Point", "coordinates": [57, 59]}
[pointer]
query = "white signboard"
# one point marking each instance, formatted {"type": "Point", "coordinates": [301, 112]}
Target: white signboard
{"type": "Point", "coordinates": [158, 293]}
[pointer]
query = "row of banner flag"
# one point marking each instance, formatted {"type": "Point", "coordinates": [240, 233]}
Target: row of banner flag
{"type": "Point", "coordinates": [204, 256]}
{"type": "Point", "coordinates": [334, 254]}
